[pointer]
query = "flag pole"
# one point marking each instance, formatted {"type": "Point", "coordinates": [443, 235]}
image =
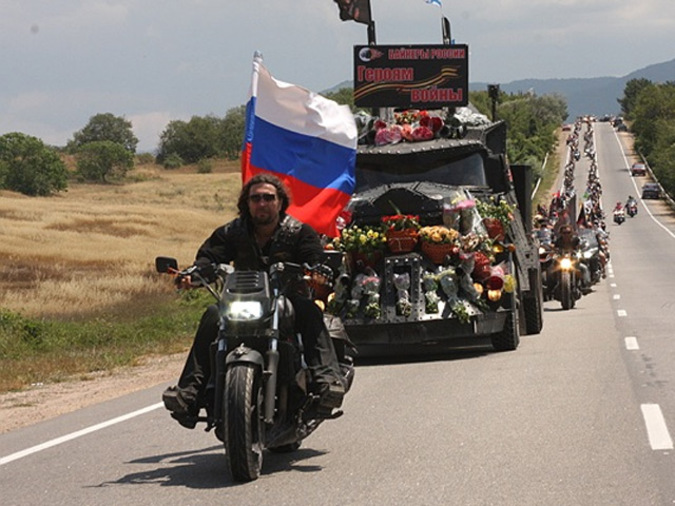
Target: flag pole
{"type": "Point", "coordinates": [445, 27]}
{"type": "Point", "coordinates": [371, 33]}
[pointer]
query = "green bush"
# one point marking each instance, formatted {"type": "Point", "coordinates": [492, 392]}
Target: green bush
{"type": "Point", "coordinates": [173, 161]}
{"type": "Point", "coordinates": [204, 167]}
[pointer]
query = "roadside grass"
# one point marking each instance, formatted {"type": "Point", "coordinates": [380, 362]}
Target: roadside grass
{"type": "Point", "coordinates": [550, 173]}
{"type": "Point", "coordinates": [78, 288]}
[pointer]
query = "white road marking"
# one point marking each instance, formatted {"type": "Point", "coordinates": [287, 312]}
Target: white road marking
{"type": "Point", "coordinates": [75, 435]}
{"type": "Point", "coordinates": [621, 312]}
{"type": "Point", "coordinates": [657, 431]}
{"type": "Point", "coordinates": [616, 296]}
{"type": "Point", "coordinates": [634, 181]}
{"type": "Point", "coordinates": [612, 285]}
{"type": "Point", "coordinates": [631, 343]}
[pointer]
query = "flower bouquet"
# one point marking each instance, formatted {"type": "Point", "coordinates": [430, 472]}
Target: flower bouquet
{"type": "Point", "coordinates": [365, 244]}
{"type": "Point", "coordinates": [438, 242]}
{"type": "Point", "coordinates": [401, 231]}
{"type": "Point", "coordinates": [496, 216]}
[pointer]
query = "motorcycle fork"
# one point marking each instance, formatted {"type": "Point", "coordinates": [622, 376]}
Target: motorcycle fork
{"type": "Point", "coordinates": [220, 355]}
{"type": "Point", "coordinates": [272, 365]}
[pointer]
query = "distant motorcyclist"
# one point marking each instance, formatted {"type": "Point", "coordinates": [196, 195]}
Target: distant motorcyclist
{"type": "Point", "coordinates": [631, 206]}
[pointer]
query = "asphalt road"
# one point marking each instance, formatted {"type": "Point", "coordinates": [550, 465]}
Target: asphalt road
{"type": "Point", "coordinates": [578, 415]}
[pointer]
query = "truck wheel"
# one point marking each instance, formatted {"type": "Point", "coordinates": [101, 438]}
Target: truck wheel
{"type": "Point", "coordinates": [533, 307]}
{"type": "Point", "coordinates": [509, 338]}
{"type": "Point", "coordinates": [243, 428]}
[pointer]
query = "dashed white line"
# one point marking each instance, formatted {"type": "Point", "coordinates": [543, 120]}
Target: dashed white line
{"type": "Point", "coordinates": [657, 430]}
{"type": "Point", "coordinates": [612, 285]}
{"type": "Point", "coordinates": [631, 343]}
{"type": "Point", "coordinates": [75, 435]}
{"type": "Point", "coordinates": [621, 312]}
{"type": "Point", "coordinates": [616, 296]}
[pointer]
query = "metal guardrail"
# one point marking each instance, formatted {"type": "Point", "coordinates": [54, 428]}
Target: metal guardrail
{"type": "Point", "coordinates": [536, 187]}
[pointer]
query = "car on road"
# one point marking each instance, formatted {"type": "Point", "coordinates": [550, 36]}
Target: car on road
{"type": "Point", "coordinates": [638, 169]}
{"type": "Point", "coordinates": [651, 191]}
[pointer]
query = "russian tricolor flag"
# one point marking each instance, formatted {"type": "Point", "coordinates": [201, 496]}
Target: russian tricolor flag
{"type": "Point", "coordinates": [306, 140]}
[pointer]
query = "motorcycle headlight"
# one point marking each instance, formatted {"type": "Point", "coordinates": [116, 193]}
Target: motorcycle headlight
{"type": "Point", "coordinates": [542, 250]}
{"type": "Point", "coordinates": [566, 263]}
{"type": "Point", "coordinates": [244, 310]}
{"type": "Point", "coordinates": [588, 254]}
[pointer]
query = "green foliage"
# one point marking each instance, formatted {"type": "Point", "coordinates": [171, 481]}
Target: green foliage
{"type": "Point", "coordinates": [105, 127]}
{"type": "Point", "coordinates": [233, 132]}
{"type": "Point", "coordinates": [55, 349]}
{"type": "Point", "coordinates": [532, 122]}
{"type": "Point", "coordinates": [145, 159]}
{"type": "Point", "coordinates": [653, 115]}
{"type": "Point", "coordinates": [343, 96]}
{"type": "Point", "coordinates": [172, 161]}
{"type": "Point", "coordinates": [29, 167]}
{"type": "Point", "coordinates": [204, 167]}
{"type": "Point", "coordinates": [204, 137]}
{"type": "Point", "coordinates": [630, 94]}
{"type": "Point", "coordinates": [103, 161]}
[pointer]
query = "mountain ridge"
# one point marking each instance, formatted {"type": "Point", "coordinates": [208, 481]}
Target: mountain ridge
{"type": "Point", "coordinates": [584, 95]}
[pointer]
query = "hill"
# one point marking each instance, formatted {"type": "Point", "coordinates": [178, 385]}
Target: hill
{"type": "Point", "coordinates": [596, 95]}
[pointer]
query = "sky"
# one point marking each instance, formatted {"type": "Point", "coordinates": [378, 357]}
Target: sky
{"type": "Point", "coordinates": [154, 61]}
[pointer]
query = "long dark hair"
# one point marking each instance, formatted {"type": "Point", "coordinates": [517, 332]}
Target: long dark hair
{"type": "Point", "coordinates": [263, 177]}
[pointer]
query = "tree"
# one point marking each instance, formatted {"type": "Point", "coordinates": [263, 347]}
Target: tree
{"type": "Point", "coordinates": [29, 167]}
{"type": "Point", "coordinates": [233, 132]}
{"type": "Point", "coordinates": [193, 140]}
{"type": "Point", "coordinates": [630, 94]}
{"type": "Point", "coordinates": [344, 96]}
{"type": "Point", "coordinates": [103, 160]}
{"type": "Point", "coordinates": [105, 127]}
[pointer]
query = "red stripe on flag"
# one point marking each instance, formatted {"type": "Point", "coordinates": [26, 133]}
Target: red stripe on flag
{"type": "Point", "coordinates": [311, 205]}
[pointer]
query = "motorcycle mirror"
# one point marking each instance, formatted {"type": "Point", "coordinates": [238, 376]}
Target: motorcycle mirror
{"type": "Point", "coordinates": [166, 264]}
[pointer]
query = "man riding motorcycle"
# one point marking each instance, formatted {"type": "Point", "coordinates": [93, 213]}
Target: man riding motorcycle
{"type": "Point", "coordinates": [262, 235]}
{"type": "Point", "coordinates": [631, 206]}
{"type": "Point", "coordinates": [569, 242]}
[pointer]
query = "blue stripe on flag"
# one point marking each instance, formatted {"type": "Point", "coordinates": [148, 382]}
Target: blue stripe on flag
{"type": "Point", "coordinates": [313, 160]}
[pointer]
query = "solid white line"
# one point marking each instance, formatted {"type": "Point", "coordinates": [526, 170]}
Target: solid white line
{"type": "Point", "coordinates": [632, 343]}
{"type": "Point", "coordinates": [75, 435]}
{"type": "Point", "coordinates": [659, 437]}
{"type": "Point", "coordinates": [621, 312]}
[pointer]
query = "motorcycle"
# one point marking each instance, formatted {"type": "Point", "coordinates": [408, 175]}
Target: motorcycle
{"type": "Point", "coordinates": [591, 256]}
{"type": "Point", "coordinates": [566, 287]}
{"type": "Point", "coordinates": [546, 254]}
{"type": "Point", "coordinates": [257, 397]}
{"type": "Point", "coordinates": [619, 217]}
{"type": "Point", "coordinates": [632, 209]}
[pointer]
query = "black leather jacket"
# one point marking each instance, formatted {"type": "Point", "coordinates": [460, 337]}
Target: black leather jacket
{"type": "Point", "coordinates": [293, 241]}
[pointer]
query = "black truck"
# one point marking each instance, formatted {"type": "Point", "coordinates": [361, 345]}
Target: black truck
{"type": "Point", "coordinates": [484, 284]}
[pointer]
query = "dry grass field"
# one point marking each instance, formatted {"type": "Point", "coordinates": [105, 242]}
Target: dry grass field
{"type": "Point", "coordinates": [92, 248]}
{"type": "Point", "coordinates": [82, 262]}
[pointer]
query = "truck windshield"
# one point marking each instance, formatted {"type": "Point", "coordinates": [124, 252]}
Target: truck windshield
{"type": "Point", "coordinates": [467, 171]}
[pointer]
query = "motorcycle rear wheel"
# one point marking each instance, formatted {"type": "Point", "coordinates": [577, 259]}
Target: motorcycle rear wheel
{"type": "Point", "coordinates": [243, 425]}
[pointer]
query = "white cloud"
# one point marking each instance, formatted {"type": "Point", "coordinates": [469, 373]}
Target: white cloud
{"type": "Point", "coordinates": [148, 126]}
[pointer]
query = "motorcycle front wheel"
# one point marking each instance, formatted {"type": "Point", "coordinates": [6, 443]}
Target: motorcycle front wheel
{"type": "Point", "coordinates": [243, 425]}
{"type": "Point", "coordinates": [566, 290]}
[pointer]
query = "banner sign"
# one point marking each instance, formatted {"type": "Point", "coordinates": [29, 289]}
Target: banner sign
{"type": "Point", "coordinates": [416, 76]}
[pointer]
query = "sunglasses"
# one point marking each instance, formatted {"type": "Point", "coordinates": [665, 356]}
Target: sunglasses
{"type": "Point", "coordinates": [259, 197]}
